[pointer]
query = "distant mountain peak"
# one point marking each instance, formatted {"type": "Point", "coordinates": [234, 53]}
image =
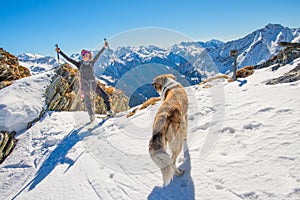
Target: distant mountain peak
{"type": "Point", "coordinates": [215, 41]}
{"type": "Point", "coordinates": [30, 56]}
{"type": "Point", "coordinates": [274, 26]}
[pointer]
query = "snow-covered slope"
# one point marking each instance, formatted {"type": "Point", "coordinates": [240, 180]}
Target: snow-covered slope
{"type": "Point", "coordinates": [243, 143]}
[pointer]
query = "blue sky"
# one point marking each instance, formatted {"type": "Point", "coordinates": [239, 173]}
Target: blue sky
{"type": "Point", "coordinates": [37, 25]}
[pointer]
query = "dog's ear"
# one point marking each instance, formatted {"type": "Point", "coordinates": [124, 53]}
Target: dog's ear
{"type": "Point", "coordinates": [155, 81]}
{"type": "Point", "coordinates": [162, 79]}
{"type": "Point", "coordinates": [171, 76]}
{"type": "Point", "coordinates": [158, 83]}
{"type": "Point", "coordinates": [157, 87]}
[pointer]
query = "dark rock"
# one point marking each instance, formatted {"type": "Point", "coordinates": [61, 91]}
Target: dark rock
{"type": "Point", "coordinates": [7, 144]}
{"type": "Point", "coordinates": [291, 76]}
{"type": "Point", "coordinates": [63, 94]}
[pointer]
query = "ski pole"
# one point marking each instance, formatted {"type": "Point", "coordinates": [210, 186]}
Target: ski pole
{"type": "Point", "coordinates": [112, 52]}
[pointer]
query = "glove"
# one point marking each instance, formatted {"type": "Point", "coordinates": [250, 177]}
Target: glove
{"type": "Point", "coordinates": [106, 44]}
{"type": "Point", "coordinates": [57, 49]}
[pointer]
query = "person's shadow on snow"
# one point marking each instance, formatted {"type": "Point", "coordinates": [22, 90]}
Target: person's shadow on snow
{"type": "Point", "coordinates": [180, 187]}
{"type": "Point", "coordinates": [59, 156]}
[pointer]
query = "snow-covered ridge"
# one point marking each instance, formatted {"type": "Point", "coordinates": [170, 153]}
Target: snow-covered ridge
{"type": "Point", "coordinates": [37, 63]}
{"type": "Point", "coordinates": [194, 61]}
{"type": "Point", "coordinates": [212, 55]}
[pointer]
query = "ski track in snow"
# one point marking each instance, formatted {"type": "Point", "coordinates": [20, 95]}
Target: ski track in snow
{"type": "Point", "coordinates": [242, 145]}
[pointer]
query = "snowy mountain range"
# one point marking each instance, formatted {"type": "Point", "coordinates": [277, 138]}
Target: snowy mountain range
{"type": "Point", "coordinates": [37, 63]}
{"type": "Point", "coordinates": [189, 61]}
{"type": "Point", "coordinates": [256, 47]}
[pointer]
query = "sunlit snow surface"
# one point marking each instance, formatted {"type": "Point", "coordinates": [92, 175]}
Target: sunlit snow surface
{"type": "Point", "coordinates": [243, 143]}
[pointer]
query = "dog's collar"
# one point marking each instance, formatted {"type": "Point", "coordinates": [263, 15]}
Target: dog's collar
{"type": "Point", "coordinates": [169, 85]}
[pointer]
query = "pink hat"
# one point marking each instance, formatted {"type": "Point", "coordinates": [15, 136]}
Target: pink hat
{"type": "Point", "coordinates": [85, 52]}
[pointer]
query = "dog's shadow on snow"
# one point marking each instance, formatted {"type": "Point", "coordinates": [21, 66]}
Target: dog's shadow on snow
{"type": "Point", "coordinates": [180, 187]}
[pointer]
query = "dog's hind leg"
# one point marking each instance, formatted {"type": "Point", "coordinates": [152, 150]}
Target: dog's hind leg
{"type": "Point", "coordinates": [185, 126]}
{"type": "Point", "coordinates": [176, 147]}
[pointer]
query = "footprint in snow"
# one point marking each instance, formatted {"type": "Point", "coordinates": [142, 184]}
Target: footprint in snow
{"type": "Point", "coordinates": [228, 129]}
{"type": "Point", "coordinates": [252, 125]}
{"type": "Point", "coordinates": [285, 110]}
{"type": "Point", "coordinates": [266, 109]}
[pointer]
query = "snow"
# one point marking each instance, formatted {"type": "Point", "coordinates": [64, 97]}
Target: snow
{"type": "Point", "coordinates": [297, 39]}
{"type": "Point", "coordinates": [243, 143]}
{"type": "Point", "coordinates": [22, 101]}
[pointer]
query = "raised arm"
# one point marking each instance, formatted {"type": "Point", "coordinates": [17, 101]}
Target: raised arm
{"type": "Point", "coordinates": [100, 52]}
{"type": "Point", "coordinates": [77, 64]}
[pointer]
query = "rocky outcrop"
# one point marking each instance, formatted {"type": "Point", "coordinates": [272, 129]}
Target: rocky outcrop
{"type": "Point", "coordinates": [291, 76]}
{"type": "Point", "coordinates": [10, 69]}
{"type": "Point", "coordinates": [64, 93]}
{"type": "Point", "coordinates": [245, 72]}
{"type": "Point", "coordinates": [284, 57]}
{"type": "Point", "coordinates": [7, 144]}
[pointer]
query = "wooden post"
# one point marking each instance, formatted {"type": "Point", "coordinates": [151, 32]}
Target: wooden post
{"type": "Point", "coordinates": [234, 54]}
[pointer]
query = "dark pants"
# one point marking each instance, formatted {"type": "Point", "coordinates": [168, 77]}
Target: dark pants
{"type": "Point", "coordinates": [87, 87]}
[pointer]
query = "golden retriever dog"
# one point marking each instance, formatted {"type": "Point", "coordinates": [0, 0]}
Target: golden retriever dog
{"type": "Point", "coordinates": [169, 126]}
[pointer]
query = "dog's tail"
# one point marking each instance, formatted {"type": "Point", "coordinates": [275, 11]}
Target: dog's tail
{"type": "Point", "coordinates": [161, 158]}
